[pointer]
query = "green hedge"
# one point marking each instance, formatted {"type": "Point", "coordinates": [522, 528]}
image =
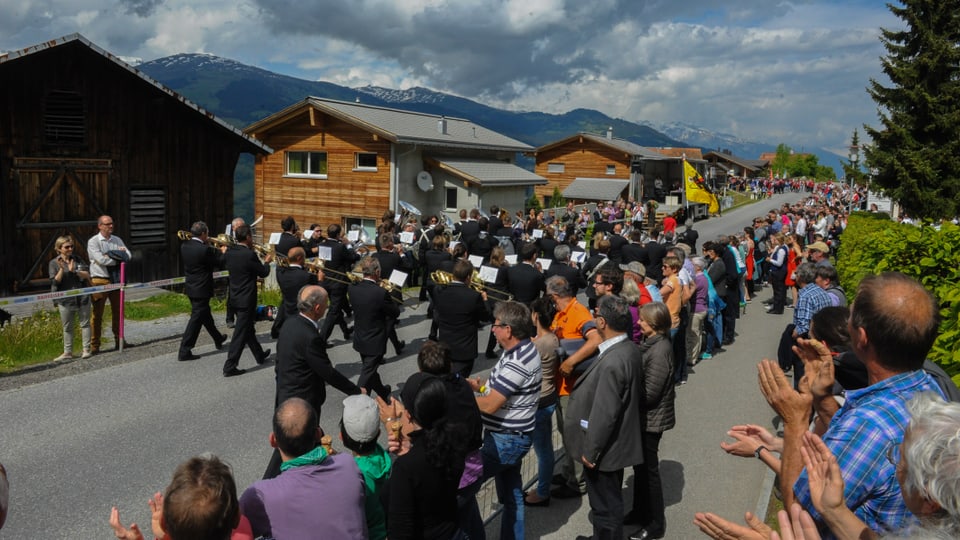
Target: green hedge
{"type": "Point", "coordinates": [872, 243]}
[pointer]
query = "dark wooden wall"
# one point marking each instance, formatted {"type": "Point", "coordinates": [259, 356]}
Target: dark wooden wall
{"type": "Point", "coordinates": [149, 138]}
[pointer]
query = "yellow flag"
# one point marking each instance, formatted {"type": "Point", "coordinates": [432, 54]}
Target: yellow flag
{"type": "Point", "coordinates": [696, 191]}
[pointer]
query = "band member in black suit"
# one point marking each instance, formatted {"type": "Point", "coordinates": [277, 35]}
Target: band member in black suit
{"type": "Point", "coordinates": [291, 279]}
{"type": "Point", "coordinates": [199, 262]}
{"type": "Point", "coordinates": [655, 254]}
{"type": "Point", "coordinates": [312, 240]}
{"type": "Point", "coordinates": [547, 243]}
{"type": "Point", "coordinates": [434, 260]}
{"type": "Point", "coordinates": [617, 242]}
{"type": "Point", "coordinates": [289, 238]}
{"type": "Point", "coordinates": [470, 229]}
{"type": "Point", "coordinates": [244, 267]}
{"type": "Point", "coordinates": [495, 223]}
{"type": "Point", "coordinates": [598, 259]}
{"type": "Point", "coordinates": [484, 243]}
{"type": "Point", "coordinates": [459, 312]}
{"type": "Point", "coordinates": [526, 280]}
{"type": "Point", "coordinates": [635, 250]}
{"type": "Point", "coordinates": [372, 307]}
{"type": "Point", "coordinates": [341, 261]}
{"type": "Point", "coordinates": [424, 243]}
{"type": "Point", "coordinates": [564, 268]}
{"type": "Point", "coordinates": [392, 257]}
{"type": "Point", "coordinates": [303, 368]}
{"type": "Point", "coordinates": [231, 314]}
{"type": "Point", "coordinates": [498, 260]}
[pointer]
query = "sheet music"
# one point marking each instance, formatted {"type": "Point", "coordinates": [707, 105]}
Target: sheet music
{"type": "Point", "coordinates": [274, 238]}
{"type": "Point", "coordinates": [512, 259]}
{"type": "Point", "coordinates": [537, 233]}
{"type": "Point", "coordinates": [398, 278]}
{"type": "Point", "coordinates": [578, 256]}
{"type": "Point", "coordinates": [324, 253]}
{"type": "Point", "coordinates": [406, 237]}
{"type": "Point", "coordinates": [475, 260]}
{"type": "Point", "coordinates": [488, 274]}
{"type": "Point", "coordinates": [545, 263]}
{"type": "Point", "coordinates": [353, 236]}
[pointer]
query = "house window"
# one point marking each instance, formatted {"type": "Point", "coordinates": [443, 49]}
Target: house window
{"type": "Point", "coordinates": [611, 170]}
{"type": "Point", "coordinates": [64, 120]}
{"type": "Point", "coordinates": [368, 226]}
{"type": "Point", "coordinates": [556, 168]}
{"type": "Point", "coordinates": [148, 217]}
{"type": "Point", "coordinates": [365, 161]}
{"type": "Point", "coordinates": [451, 198]}
{"type": "Point", "coordinates": [312, 164]}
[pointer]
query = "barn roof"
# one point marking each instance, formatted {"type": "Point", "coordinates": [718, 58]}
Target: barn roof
{"type": "Point", "coordinates": [253, 145]}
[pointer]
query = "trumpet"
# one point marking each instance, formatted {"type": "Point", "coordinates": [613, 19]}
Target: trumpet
{"type": "Point", "coordinates": [263, 251]}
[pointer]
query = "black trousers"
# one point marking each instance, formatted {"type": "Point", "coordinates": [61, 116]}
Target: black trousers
{"type": "Point", "coordinates": [244, 334]}
{"type": "Point", "coordinates": [648, 488]}
{"type": "Point", "coordinates": [338, 303]}
{"type": "Point", "coordinates": [369, 377]}
{"type": "Point", "coordinates": [730, 314]}
{"type": "Point", "coordinates": [606, 503]}
{"type": "Point", "coordinates": [778, 281]}
{"type": "Point", "coordinates": [200, 317]}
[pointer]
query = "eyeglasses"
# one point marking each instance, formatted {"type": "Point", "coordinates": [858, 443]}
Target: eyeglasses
{"type": "Point", "coordinates": [500, 325]}
{"type": "Point", "coordinates": [67, 247]}
{"type": "Point", "coordinates": [595, 283]}
{"type": "Point", "coordinates": [107, 224]}
{"type": "Point", "coordinates": [893, 454]}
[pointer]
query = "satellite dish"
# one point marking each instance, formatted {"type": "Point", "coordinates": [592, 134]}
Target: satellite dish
{"type": "Point", "coordinates": [424, 181]}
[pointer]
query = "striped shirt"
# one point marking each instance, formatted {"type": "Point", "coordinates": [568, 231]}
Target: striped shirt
{"type": "Point", "coordinates": [871, 421]}
{"type": "Point", "coordinates": [810, 300]}
{"type": "Point", "coordinates": [517, 376]}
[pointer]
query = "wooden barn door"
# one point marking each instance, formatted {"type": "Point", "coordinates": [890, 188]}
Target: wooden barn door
{"type": "Point", "coordinates": [56, 197]}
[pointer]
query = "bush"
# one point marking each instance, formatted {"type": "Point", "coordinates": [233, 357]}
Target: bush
{"type": "Point", "coordinates": [872, 244]}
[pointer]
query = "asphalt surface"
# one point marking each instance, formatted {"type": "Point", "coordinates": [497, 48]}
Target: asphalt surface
{"type": "Point", "coordinates": [79, 438]}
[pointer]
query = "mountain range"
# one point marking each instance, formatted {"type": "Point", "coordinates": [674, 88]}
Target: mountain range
{"type": "Point", "coordinates": [243, 94]}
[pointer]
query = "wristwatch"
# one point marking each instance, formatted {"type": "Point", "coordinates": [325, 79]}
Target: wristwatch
{"type": "Point", "coordinates": [756, 453]}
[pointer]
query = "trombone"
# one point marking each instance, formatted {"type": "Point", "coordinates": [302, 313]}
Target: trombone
{"type": "Point", "coordinates": [220, 240]}
{"type": "Point", "coordinates": [317, 265]}
{"type": "Point", "coordinates": [442, 277]}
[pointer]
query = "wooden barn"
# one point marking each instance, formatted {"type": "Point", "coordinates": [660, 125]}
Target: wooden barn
{"type": "Point", "coordinates": [84, 134]}
{"type": "Point", "coordinates": [347, 163]}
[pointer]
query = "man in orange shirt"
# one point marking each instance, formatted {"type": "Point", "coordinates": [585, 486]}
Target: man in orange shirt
{"type": "Point", "coordinates": [572, 322]}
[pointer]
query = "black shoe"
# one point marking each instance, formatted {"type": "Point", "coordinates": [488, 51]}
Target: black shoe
{"type": "Point", "coordinates": [347, 332]}
{"type": "Point", "coordinates": [565, 492]}
{"type": "Point", "coordinates": [432, 338]}
{"type": "Point", "coordinates": [188, 357]}
{"type": "Point", "coordinates": [218, 343]}
{"type": "Point", "coordinates": [490, 354]}
{"type": "Point", "coordinates": [772, 312]}
{"type": "Point", "coordinates": [727, 342]}
{"type": "Point", "coordinates": [274, 335]}
{"type": "Point", "coordinates": [400, 346]}
{"type": "Point", "coordinates": [263, 359]}
{"type": "Point", "coordinates": [558, 480]}
{"type": "Point", "coordinates": [234, 372]}
{"type": "Point", "coordinates": [230, 324]}
{"type": "Point", "coordinates": [644, 534]}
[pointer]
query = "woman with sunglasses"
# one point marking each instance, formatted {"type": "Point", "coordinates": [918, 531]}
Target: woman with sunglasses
{"type": "Point", "coordinates": [69, 272]}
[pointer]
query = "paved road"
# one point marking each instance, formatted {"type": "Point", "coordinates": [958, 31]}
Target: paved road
{"type": "Point", "coordinates": [76, 445]}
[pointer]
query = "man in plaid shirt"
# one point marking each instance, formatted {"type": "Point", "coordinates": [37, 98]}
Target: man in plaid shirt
{"type": "Point", "coordinates": [893, 323]}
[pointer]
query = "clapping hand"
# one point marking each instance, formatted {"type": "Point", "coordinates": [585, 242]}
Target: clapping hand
{"type": "Point", "coordinates": [123, 533]}
{"type": "Point", "coordinates": [823, 473]}
{"type": "Point", "coordinates": [792, 406]}
{"type": "Point", "coordinates": [749, 437]}
{"type": "Point", "coordinates": [718, 528]}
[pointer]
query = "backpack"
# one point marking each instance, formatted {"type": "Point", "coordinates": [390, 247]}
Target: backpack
{"type": "Point", "coordinates": [507, 244]}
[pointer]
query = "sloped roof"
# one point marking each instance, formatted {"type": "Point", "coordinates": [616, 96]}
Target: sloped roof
{"type": "Point", "coordinates": [399, 126]}
{"type": "Point", "coordinates": [489, 172]}
{"type": "Point", "coordinates": [616, 143]}
{"type": "Point", "coordinates": [595, 189]}
{"type": "Point", "coordinates": [691, 154]}
{"type": "Point", "coordinates": [13, 56]}
{"type": "Point", "coordinates": [751, 164]}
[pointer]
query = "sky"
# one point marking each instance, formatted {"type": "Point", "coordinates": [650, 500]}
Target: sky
{"type": "Point", "coordinates": [768, 71]}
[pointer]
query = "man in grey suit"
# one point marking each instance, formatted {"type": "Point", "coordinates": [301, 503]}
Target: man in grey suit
{"type": "Point", "coordinates": [605, 420]}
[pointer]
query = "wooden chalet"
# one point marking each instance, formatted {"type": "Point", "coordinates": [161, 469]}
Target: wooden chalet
{"type": "Point", "coordinates": [85, 134]}
{"type": "Point", "coordinates": [724, 164]}
{"type": "Point", "coordinates": [592, 167]}
{"type": "Point", "coordinates": [348, 163]}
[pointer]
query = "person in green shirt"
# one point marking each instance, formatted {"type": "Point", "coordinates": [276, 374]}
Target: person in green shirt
{"type": "Point", "coordinates": [359, 430]}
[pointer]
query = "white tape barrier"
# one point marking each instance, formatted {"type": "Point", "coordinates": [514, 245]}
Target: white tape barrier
{"type": "Point", "coordinates": [43, 297]}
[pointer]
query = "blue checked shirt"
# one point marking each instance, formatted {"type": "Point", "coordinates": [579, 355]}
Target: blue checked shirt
{"type": "Point", "coordinates": [871, 421]}
{"type": "Point", "coordinates": [810, 300]}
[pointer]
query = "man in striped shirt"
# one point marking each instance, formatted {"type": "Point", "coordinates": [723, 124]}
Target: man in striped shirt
{"type": "Point", "coordinates": [508, 405]}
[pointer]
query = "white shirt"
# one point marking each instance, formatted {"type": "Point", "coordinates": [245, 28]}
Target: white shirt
{"type": "Point", "coordinates": [97, 248]}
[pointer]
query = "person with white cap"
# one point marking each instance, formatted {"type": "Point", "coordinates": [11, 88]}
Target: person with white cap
{"type": "Point", "coordinates": [359, 430]}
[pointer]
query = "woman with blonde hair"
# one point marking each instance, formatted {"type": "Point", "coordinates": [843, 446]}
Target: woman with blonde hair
{"type": "Point", "coordinates": [67, 272]}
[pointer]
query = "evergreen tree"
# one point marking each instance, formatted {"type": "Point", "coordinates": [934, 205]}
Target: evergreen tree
{"type": "Point", "coordinates": [917, 150]}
